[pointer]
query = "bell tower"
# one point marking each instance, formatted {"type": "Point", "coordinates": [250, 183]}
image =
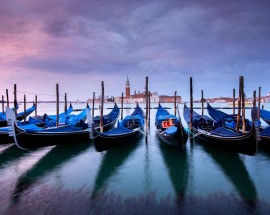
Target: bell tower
{"type": "Point", "coordinates": [127, 88]}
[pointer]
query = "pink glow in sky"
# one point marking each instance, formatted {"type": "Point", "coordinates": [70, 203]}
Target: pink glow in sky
{"type": "Point", "coordinates": [80, 43]}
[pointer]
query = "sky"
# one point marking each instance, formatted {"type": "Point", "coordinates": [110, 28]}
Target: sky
{"type": "Point", "coordinates": [79, 43]}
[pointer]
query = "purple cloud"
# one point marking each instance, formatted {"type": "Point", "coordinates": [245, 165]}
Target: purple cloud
{"type": "Point", "coordinates": [213, 41]}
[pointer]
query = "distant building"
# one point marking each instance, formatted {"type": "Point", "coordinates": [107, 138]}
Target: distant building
{"type": "Point", "coordinates": [128, 98]}
{"type": "Point", "coordinates": [138, 96]}
{"type": "Point", "coordinates": [141, 98]}
{"type": "Point", "coordinates": [169, 99]}
{"type": "Point", "coordinates": [128, 89]}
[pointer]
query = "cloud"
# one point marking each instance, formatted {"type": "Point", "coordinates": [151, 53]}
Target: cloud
{"type": "Point", "coordinates": [213, 41]}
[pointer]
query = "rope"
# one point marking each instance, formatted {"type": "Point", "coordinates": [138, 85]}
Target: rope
{"type": "Point", "coordinates": [40, 94]}
{"type": "Point", "coordinates": [193, 135]}
{"type": "Point", "coordinates": [91, 135]}
{"type": "Point", "coordinates": [141, 131]}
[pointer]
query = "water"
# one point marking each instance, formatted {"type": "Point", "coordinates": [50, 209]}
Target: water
{"type": "Point", "coordinates": [141, 178]}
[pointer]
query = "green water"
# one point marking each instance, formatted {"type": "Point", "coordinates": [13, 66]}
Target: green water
{"type": "Point", "coordinates": [75, 175]}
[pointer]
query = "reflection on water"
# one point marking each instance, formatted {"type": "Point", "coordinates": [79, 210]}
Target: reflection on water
{"type": "Point", "coordinates": [51, 161]}
{"type": "Point", "coordinates": [235, 170]}
{"type": "Point", "coordinates": [176, 162]}
{"type": "Point", "coordinates": [51, 200]}
{"type": "Point", "coordinates": [151, 177]}
{"type": "Point", "coordinates": [265, 153]}
{"type": "Point", "coordinates": [147, 174]}
{"type": "Point", "coordinates": [12, 153]}
{"type": "Point", "coordinates": [112, 160]}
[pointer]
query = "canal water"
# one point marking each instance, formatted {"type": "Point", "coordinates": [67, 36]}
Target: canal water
{"type": "Point", "coordinates": [137, 178]}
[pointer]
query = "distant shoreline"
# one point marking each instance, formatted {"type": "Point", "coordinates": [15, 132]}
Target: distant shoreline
{"type": "Point", "coordinates": [83, 102]}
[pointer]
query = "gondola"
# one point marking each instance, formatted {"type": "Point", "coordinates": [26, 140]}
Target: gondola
{"type": "Point", "coordinates": [170, 129]}
{"type": "Point", "coordinates": [76, 119]}
{"type": "Point", "coordinates": [227, 120]}
{"type": "Point", "coordinates": [20, 116]}
{"type": "Point", "coordinates": [4, 129]}
{"type": "Point", "coordinates": [32, 136]}
{"type": "Point", "coordinates": [39, 121]}
{"type": "Point", "coordinates": [50, 120]}
{"type": "Point", "coordinates": [109, 120]}
{"type": "Point", "coordinates": [35, 136]}
{"type": "Point", "coordinates": [129, 129]}
{"type": "Point", "coordinates": [265, 115]}
{"type": "Point", "coordinates": [205, 130]}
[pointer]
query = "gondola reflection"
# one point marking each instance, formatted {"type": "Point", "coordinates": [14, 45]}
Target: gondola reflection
{"type": "Point", "coordinates": [177, 164]}
{"type": "Point", "coordinates": [53, 160]}
{"type": "Point", "coordinates": [12, 153]}
{"type": "Point", "coordinates": [111, 162]}
{"type": "Point", "coordinates": [234, 169]}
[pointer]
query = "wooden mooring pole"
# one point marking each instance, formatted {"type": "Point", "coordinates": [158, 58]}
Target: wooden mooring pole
{"type": "Point", "coordinates": [101, 108]}
{"type": "Point", "coordinates": [24, 108]}
{"type": "Point", "coordinates": [243, 106]}
{"type": "Point", "coordinates": [239, 104]}
{"type": "Point", "coordinates": [36, 105]}
{"type": "Point", "coordinates": [66, 103]}
{"type": "Point", "coordinates": [3, 105]}
{"type": "Point", "coordinates": [259, 102]}
{"type": "Point", "coordinates": [254, 98]}
{"type": "Point", "coordinates": [202, 101]}
{"type": "Point", "coordinates": [146, 116]}
{"type": "Point", "coordinates": [149, 107]}
{"type": "Point", "coordinates": [122, 105]}
{"type": "Point", "coordinates": [15, 100]}
{"type": "Point", "coordinates": [93, 107]}
{"type": "Point", "coordinates": [175, 92]}
{"type": "Point", "coordinates": [191, 104]}
{"type": "Point", "coordinates": [57, 105]}
{"type": "Point", "coordinates": [233, 101]}
{"type": "Point", "coordinates": [7, 97]}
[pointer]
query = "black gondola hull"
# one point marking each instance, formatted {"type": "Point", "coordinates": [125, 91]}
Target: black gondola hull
{"type": "Point", "coordinates": [132, 129]}
{"type": "Point", "coordinates": [110, 125]}
{"type": "Point", "coordinates": [103, 142]}
{"type": "Point", "coordinates": [5, 138]}
{"type": "Point", "coordinates": [106, 127]}
{"type": "Point", "coordinates": [164, 122]}
{"type": "Point", "coordinates": [177, 140]}
{"type": "Point", "coordinates": [28, 140]}
{"type": "Point", "coordinates": [264, 143]}
{"type": "Point", "coordinates": [3, 123]}
{"type": "Point", "coordinates": [244, 144]}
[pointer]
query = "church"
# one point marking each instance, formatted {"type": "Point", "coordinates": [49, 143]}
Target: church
{"type": "Point", "coordinates": [141, 98]}
{"type": "Point", "coordinates": [136, 97]}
